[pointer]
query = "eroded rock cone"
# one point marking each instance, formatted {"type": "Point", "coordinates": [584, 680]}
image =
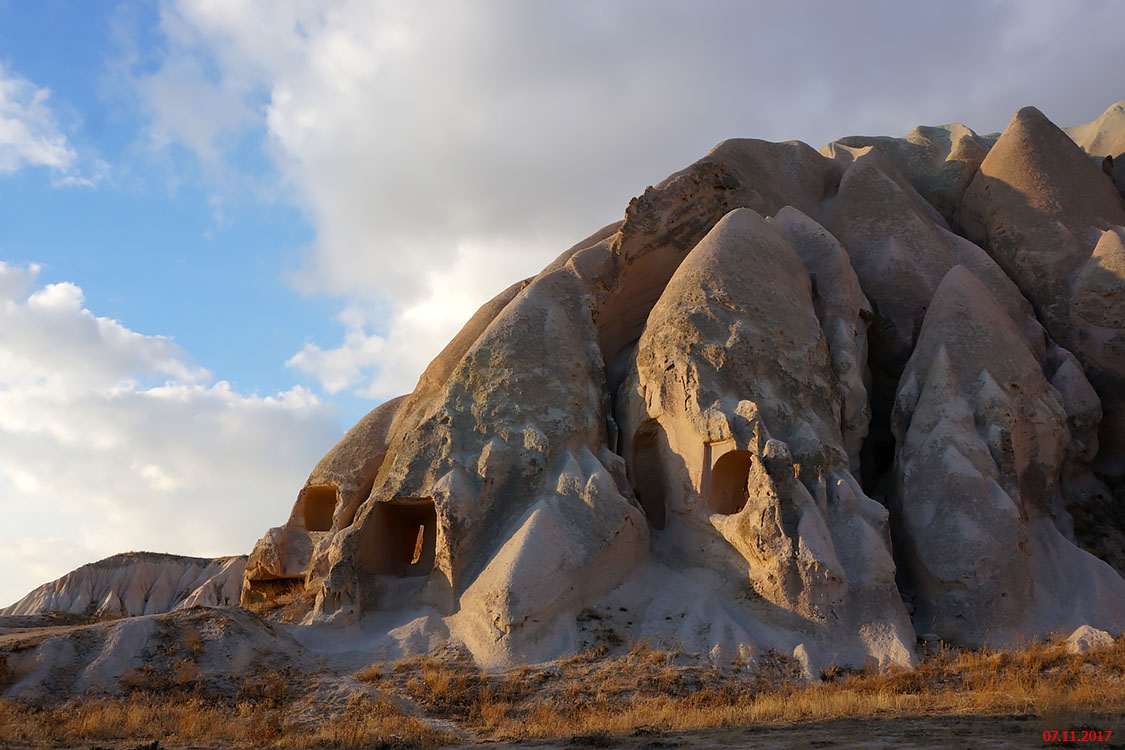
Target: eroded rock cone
{"type": "Point", "coordinates": [1040, 206]}
{"type": "Point", "coordinates": [939, 162]}
{"type": "Point", "coordinates": [982, 532]}
{"type": "Point", "coordinates": [137, 583]}
{"type": "Point", "coordinates": [1104, 139]}
{"type": "Point", "coordinates": [731, 423]}
{"type": "Point", "coordinates": [675, 431]}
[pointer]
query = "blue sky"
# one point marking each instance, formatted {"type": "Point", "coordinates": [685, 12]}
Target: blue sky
{"type": "Point", "coordinates": [229, 229]}
{"type": "Point", "coordinates": [160, 242]}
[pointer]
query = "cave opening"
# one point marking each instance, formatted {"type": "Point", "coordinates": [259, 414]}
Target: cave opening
{"type": "Point", "coordinates": [318, 506]}
{"type": "Point", "coordinates": [877, 454]}
{"type": "Point", "coordinates": [648, 476]}
{"type": "Point", "coordinates": [729, 477]}
{"type": "Point", "coordinates": [400, 538]}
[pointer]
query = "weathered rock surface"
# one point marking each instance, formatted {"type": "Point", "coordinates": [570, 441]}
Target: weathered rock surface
{"type": "Point", "coordinates": [137, 583]}
{"type": "Point", "coordinates": [325, 505]}
{"type": "Point", "coordinates": [939, 162]}
{"type": "Point", "coordinates": [1040, 206]}
{"type": "Point", "coordinates": [844, 313]}
{"type": "Point", "coordinates": [1104, 138]}
{"type": "Point", "coordinates": [797, 402]}
{"type": "Point", "coordinates": [664, 223]}
{"type": "Point", "coordinates": [1086, 639]}
{"type": "Point", "coordinates": [223, 649]}
{"type": "Point", "coordinates": [983, 531]}
{"type": "Point", "coordinates": [731, 430]}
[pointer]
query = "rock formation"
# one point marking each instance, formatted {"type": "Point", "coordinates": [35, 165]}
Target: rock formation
{"type": "Point", "coordinates": [939, 162]}
{"type": "Point", "coordinates": [801, 402]}
{"type": "Point", "coordinates": [1104, 139]}
{"type": "Point", "coordinates": [983, 531]}
{"type": "Point", "coordinates": [1041, 206]}
{"type": "Point", "coordinates": [221, 647]}
{"type": "Point", "coordinates": [137, 583]}
{"type": "Point", "coordinates": [707, 396]}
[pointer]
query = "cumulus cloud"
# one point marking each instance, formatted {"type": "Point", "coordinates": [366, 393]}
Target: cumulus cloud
{"type": "Point", "coordinates": [382, 365]}
{"type": "Point", "coordinates": [111, 440]}
{"type": "Point", "coordinates": [419, 137]}
{"type": "Point", "coordinates": [342, 366]}
{"type": "Point", "coordinates": [29, 135]}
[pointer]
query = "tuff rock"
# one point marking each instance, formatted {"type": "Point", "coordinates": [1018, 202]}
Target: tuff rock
{"type": "Point", "coordinates": [809, 403]}
{"type": "Point", "coordinates": [821, 398]}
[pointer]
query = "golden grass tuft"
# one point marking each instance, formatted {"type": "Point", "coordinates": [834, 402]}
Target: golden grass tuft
{"type": "Point", "coordinates": [287, 600]}
{"type": "Point", "coordinates": [588, 694]}
{"type": "Point", "coordinates": [365, 722]}
{"type": "Point", "coordinates": [586, 698]}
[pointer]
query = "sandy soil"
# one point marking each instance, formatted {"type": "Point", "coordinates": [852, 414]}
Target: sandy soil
{"type": "Point", "coordinates": [890, 734]}
{"type": "Point", "coordinates": [933, 733]}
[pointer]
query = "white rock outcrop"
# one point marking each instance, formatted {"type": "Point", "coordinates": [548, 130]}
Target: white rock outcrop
{"type": "Point", "coordinates": [1040, 207]}
{"type": "Point", "coordinates": [702, 400]}
{"type": "Point", "coordinates": [223, 648]}
{"type": "Point", "coordinates": [939, 162]}
{"type": "Point", "coordinates": [138, 583]}
{"type": "Point", "coordinates": [983, 534]}
{"type": "Point", "coordinates": [732, 431]}
{"type": "Point", "coordinates": [1086, 639]}
{"type": "Point", "coordinates": [1104, 139]}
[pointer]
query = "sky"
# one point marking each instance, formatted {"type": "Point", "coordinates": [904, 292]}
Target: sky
{"type": "Point", "coordinates": [229, 228]}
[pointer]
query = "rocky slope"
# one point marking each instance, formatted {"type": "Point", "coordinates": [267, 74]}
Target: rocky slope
{"type": "Point", "coordinates": [801, 401]}
{"type": "Point", "coordinates": [137, 583]}
{"type": "Point", "coordinates": [813, 403]}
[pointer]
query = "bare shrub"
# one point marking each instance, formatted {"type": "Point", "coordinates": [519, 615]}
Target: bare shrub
{"type": "Point", "coordinates": [372, 674]}
{"type": "Point", "coordinates": [270, 688]}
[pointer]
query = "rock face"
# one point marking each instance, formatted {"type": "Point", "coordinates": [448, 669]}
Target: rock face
{"type": "Point", "coordinates": [801, 402]}
{"type": "Point", "coordinates": [327, 503]}
{"type": "Point", "coordinates": [702, 400]}
{"type": "Point", "coordinates": [1041, 206]}
{"type": "Point", "coordinates": [223, 648]}
{"type": "Point", "coordinates": [982, 522]}
{"type": "Point", "coordinates": [939, 162]}
{"type": "Point", "coordinates": [137, 583]}
{"type": "Point", "coordinates": [1104, 139]}
{"type": "Point", "coordinates": [733, 432]}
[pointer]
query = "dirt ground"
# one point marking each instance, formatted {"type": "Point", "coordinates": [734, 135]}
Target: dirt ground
{"type": "Point", "coordinates": [874, 734]}
{"type": "Point", "coordinates": [931, 733]}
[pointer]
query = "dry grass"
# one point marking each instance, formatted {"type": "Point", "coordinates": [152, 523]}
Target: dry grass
{"type": "Point", "coordinates": [286, 600]}
{"type": "Point", "coordinates": [589, 697]}
{"type": "Point", "coordinates": [5, 672]}
{"type": "Point", "coordinates": [365, 722]}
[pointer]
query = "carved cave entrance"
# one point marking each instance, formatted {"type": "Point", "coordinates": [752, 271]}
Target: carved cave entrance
{"type": "Point", "coordinates": [648, 476]}
{"type": "Point", "coordinates": [400, 538]}
{"type": "Point", "coordinates": [729, 476]}
{"type": "Point", "coordinates": [319, 506]}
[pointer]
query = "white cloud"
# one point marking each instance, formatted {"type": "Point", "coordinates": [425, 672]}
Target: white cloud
{"type": "Point", "coordinates": [344, 365]}
{"type": "Point", "coordinates": [111, 440]}
{"type": "Point", "coordinates": [29, 135]}
{"type": "Point", "coordinates": [383, 365]}
{"type": "Point", "coordinates": [192, 110]}
{"type": "Point", "coordinates": [15, 281]}
{"type": "Point", "coordinates": [418, 137]}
